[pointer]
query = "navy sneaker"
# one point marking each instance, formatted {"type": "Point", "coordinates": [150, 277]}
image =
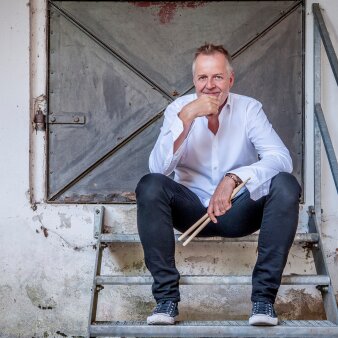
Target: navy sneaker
{"type": "Point", "coordinates": [263, 313]}
{"type": "Point", "coordinates": [164, 313]}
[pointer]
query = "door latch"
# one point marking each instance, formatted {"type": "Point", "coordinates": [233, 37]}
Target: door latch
{"type": "Point", "coordinates": [69, 118]}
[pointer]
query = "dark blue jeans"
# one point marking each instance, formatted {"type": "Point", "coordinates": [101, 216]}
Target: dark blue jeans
{"type": "Point", "coordinates": [163, 204]}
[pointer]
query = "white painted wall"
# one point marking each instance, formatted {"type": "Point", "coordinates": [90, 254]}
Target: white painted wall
{"type": "Point", "coordinates": [46, 254]}
{"type": "Point", "coordinates": [329, 103]}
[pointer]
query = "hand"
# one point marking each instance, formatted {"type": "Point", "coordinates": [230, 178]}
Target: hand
{"type": "Point", "coordinates": [220, 201]}
{"type": "Point", "coordinates": [204, 105]}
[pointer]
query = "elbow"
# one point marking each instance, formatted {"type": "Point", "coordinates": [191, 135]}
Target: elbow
{"type": "Point", "coordinates": [151, 165]}
{"type": "Point", "coordinates": [288, 164]}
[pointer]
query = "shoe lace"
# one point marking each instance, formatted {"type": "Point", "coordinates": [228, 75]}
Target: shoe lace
{"type": "Point", "coordinates": [263, 308]}
{"type": "Point", "coordinates": [167, 306]}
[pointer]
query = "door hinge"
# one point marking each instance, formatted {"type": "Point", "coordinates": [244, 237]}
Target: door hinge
{"type": "Point", "coordinates": [40, 120]}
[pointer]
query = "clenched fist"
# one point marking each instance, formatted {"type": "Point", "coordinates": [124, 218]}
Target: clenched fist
{"type": "Point", "coordinates": [205, 105]}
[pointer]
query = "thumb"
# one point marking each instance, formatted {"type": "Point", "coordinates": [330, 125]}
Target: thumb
{"type": "Point", "coordinates": [220, 97]}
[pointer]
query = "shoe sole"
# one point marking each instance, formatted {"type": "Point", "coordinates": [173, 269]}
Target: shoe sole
{"type": "Point", "coordinates": [160, 319]}
{"type": "Point", "coordinates": [263, 320]}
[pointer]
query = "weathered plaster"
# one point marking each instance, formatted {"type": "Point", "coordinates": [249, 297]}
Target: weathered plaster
{"type": "Point", "coordinates": [47, 251]}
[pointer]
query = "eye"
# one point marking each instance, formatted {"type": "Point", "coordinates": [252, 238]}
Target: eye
{"type": "Point", "coordinates": [219, 77]}
{"type": "Point", "coordinates": [202, 78]}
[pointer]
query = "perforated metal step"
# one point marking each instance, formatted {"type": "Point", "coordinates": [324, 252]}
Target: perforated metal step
{"type": "Point", "coordinates": [134, 238]}
{"type": "Point", "coordinates": [213, 280]}
{"type": "Point", "coordinates": [303, 328]}
{"type": "Point", "coordinates": [288, 328]}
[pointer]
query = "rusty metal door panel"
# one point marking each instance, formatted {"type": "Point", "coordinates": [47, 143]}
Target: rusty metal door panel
{"type": "Point", "coordinates": [273, 75]}
{"type": "Point", "coordinates": [121, 168]}
{"type": "Point", "coordinates": [114, 66]}
{"type": "Point", "coordinates": [113, 99]}
{"type": "Point", "coordinates": [158, 38]}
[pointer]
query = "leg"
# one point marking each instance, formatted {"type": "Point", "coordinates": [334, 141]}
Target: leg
{"type": "Point", "coordinates": [277, 232]}
{"type": "Point", "coordinates": [158, 198]}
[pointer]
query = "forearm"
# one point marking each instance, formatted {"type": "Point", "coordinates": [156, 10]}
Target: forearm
{"type": "Point", "coordinates": [169, 146]}
{"type": "Point", "coordinates": [264, 170]}
{"type": "Point", "coordinates": [176, 127]}
{"type": "Point", "coordinates": [187, 121]}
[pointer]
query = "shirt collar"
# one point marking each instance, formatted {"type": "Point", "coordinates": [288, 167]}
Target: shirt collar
{"type": "Point", "coordinates": [229, 101]}
{"type": "Point", "coordinates": [225, 109]}
{"type": "Point", "coordinates": [227, 105]}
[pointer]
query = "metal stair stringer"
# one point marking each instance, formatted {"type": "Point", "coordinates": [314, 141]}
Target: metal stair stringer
{"type": "Point", "coordinates": [329, 299]}
{"type": "Point", "coordinates": [289, 328]}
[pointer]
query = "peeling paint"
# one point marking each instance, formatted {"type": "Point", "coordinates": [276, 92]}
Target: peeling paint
{"type": "Point", "coordinates": [38, 297]}
{"type": "Point", "coordinates": [298, 304]}
{"type": "Point", "coordinates": [44, 230]}
{"type": "Point", "coordinates": [28, 195]}
{"type": "Point", "coordinates": [65, 221]}
{"type": "Point", "coordinates": [38, 218]}
{"type": "Point", "coordinates": [143, 307]}
{"type": "Point", "coordinates": [199, 259]}
{"type": "Point", "coordinates": [136, 265]}
{"type": "Point", "coordinates": [5, 290]}
{"type": "Point", "coordinates": [308, 250]}
{"type": "Point", "coordinates": [6, 296]}
{"type": "Point", "coordinates": [166, 10]}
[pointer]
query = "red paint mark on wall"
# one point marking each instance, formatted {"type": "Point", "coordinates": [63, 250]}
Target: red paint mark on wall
{"type": "Point", "coordinates": [166, 9]}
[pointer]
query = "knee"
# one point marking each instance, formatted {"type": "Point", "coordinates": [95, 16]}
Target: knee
{"type": "Point", "coordinates": [150, 186]}
{"type": "Point", "coordinates": [286, 187]}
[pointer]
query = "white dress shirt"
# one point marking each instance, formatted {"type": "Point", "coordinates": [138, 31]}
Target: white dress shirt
{"type": "Point", "coordinates": [245, 144]}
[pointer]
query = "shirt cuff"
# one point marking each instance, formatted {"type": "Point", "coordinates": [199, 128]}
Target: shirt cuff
{"type": "Point", "coordinates": [176, 127]}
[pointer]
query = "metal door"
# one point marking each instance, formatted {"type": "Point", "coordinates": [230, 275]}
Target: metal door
{"type": "Point", "coordinates": [115, 66]}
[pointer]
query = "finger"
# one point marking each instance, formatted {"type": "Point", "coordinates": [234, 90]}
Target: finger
{"type": "Point", "coordinates": [223, 205]}
{"type": "Point", "coordinates": [217, 212]}
{"type": "Point", "coordinates": [228, 206]}
{"type": "Point", "coordinates": [213, 218]}
{"type": "Point", "coordinates": [211, 213]}
{"type": "Point", "coordinates": [218, 208]}
{"type": "Point", "coordinates": [212, 99]}
{"type": "Point", "coordinates": [220, 97]}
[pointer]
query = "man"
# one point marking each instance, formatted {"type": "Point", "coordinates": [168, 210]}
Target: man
{"type": "Point", "coordinates": [213, 140]}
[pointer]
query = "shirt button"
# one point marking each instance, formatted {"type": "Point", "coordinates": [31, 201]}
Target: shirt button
{"type": "Point", "coordinates": [215, 168]}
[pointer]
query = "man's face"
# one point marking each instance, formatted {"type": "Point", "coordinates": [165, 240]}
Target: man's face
{"type": "Point", "coordinates": [211, 76]}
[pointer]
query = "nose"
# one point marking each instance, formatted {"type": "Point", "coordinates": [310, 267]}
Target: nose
{"type": "Point", "coordinates": [210, 83]}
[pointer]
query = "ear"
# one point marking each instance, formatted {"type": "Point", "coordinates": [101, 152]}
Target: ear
{"type": "Point", "coordinates": [231, 79]}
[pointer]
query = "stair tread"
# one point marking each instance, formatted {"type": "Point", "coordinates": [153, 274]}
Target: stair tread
{"type": "Point", "coordinates": [213, 279]}
{"type": "Point", "coordinates": [134, 238]}
{"type": "Point", "coordinates": [231, 328]}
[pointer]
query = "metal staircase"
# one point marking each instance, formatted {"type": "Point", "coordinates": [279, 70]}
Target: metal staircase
{"type": "Point", "coordinates": [287, 328]}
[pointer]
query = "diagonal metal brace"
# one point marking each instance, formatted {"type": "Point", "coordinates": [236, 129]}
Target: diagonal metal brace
{"type": "Point", "coordinates": [331, 54]}
{"type": "Point", "coordinates": [331, 156]}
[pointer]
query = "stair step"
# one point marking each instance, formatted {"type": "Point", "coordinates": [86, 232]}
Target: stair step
{"type": "Point", "coordinates": [322, 280]}
{"type": "Point", "coordinates": [134, 238]}
{"type": "Point", "coordinates": [287, 328]}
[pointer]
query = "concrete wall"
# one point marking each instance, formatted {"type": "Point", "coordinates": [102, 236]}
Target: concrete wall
{"type": "Point", "coordinates": [47, 253]}
{"type": "Point", "coordinates": [329, 103]}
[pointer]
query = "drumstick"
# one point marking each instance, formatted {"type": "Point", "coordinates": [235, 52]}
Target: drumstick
{"type": "Point", "coordinates": [203, 221]}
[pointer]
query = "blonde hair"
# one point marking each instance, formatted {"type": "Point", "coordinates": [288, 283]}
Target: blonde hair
{"type": "Point", "coordinates": [210, 49]}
